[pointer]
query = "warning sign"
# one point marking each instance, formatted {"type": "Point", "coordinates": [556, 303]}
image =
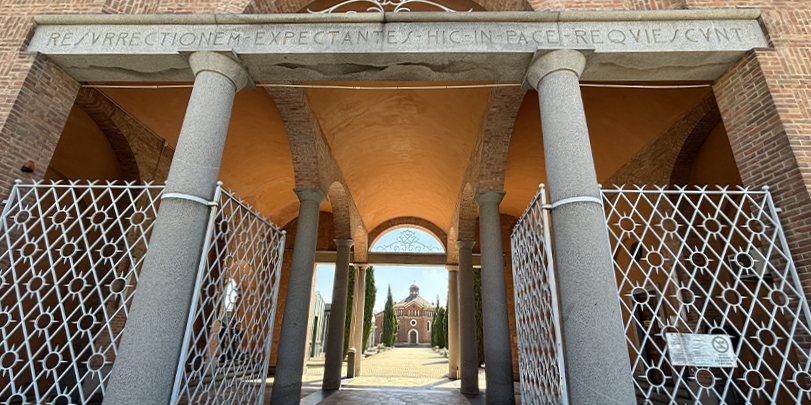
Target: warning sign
{"type": "Point", "coordinates": [701, 350]}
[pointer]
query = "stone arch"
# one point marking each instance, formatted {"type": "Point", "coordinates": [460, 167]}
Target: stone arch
{"type": "Point", "coordinates": [414, 332]}
{"type": "Point", "coordinates": [360, 239]}
{"type": "Point", "coordinates": [468, 210]}
{"type": "Point", "coordinates": [339, 201]}
{"type": "Point", "coordinates": [409, 222]}
{"type": "Point", "coordinates": [680, 174]}
{"type": "Point", "coordinates": [101, 111]}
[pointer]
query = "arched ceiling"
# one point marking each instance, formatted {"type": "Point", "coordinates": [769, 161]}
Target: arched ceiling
{"type": "Point", "coordinates": [621, 121]}
{"type": "Point", "coordinates": [256, 163]}
{"type": "Point", "coordinates": [403, 153]}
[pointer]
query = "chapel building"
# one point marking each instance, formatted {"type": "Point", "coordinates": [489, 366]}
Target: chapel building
{"type": "Point", "coordinates": [414, 317]}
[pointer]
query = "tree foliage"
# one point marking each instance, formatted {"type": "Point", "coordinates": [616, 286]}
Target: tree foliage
{"type": "Point", "coordinates": [389, 322]}
{"type": "Point", "coordinates": [439, 326]}
{"type": "Point", "coordinates": [350, 298]}
{"type": "Point", "coordinates": [477, 287]}
{"type": "Point", "coordinates": [369, 304]}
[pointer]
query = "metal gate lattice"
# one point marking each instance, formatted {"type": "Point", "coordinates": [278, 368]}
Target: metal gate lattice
{"type": "Point", "coordinates": [703, 261]}
{"type": "Point", "coordinates": [687, 261]}
{"type": "Point", "coordinates": [540, 354]}
{"type": "Point", "coordinates": [70, 259]}
{"type": "Point", "coordinates": [70, 255]}
{"type": "Point", "coordinates": [231, 327]}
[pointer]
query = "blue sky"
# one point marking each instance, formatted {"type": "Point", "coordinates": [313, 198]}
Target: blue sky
{"type": "Point", "coordinates": [432, 280]}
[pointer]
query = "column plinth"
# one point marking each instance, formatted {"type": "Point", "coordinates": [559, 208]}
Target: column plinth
{"type": "Point", "coordinates": [468, 343]}
{"type": "Point", "coordinates": [293, 336]}
{"type": "Point", "coordinates": [495, 313]}
{"type": "Point", "coordinates": [453, 322]}
{"type": "Point", "coordinates": [596, 354]}
{"type": "Point", "coordinates": [147, 360]}
{"type": "Point", "coordinates": [337, 318]}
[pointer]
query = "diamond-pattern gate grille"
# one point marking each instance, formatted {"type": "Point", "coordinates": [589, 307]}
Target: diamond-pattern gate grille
{"type": "Point", "coordinates": [689, 261]}
{"type": "Point", "coordinates": [709, 262]}
{"type": "Point", "coordinates": [231, 327]}
{"type": "Point", "coordinates": [70, 255]}
{"type": "Point", "coordinates": [536, 308]}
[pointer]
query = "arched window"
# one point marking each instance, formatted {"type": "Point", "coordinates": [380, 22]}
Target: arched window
{"type": "Point", "coordinates": [429, 325]}
{"type": "Point", "coordinates": [408, 240]}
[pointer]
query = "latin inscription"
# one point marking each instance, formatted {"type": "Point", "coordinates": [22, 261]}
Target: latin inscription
{"type": "Point", "coordinates": [397, 37]}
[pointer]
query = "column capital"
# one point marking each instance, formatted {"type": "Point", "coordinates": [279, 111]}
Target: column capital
{"type": "Point", "coordinates": [562, 59]}
{"type": "Point", "coordinates": [452, 267]}
{"type": "Point", "coordinates": [219, 63]}
{"type": "Point", "coordinates": [489, 197]}
{"type": "Point", "coordinates": [310, 194]}
{"type": "Point", "coordinates": [465, 244]}
{"type": "Point", "coordinates": [347, 243]}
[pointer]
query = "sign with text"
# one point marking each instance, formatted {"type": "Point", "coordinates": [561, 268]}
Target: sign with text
{"type": "Point", "coordinates": [701, 350]}
{"type": "Point", "coordinates": [619, 36]}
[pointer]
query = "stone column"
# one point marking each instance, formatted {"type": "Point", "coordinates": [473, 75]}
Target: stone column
{"type": "Point", "coordinates": [144, 371]}
{"type": "Point", "coordinates": [337, 317]}
{"type": "Point", "coordinates": [597, 363]}
{"type": "Point", "coordinates": [292, 339]}
{"type": "Point", "coordinates": [498, 365]}
{"type": "Point", "coordinates": [357, 314]}
{"type": "Point", "coordinates": [453, 323]}
{"type": "Point", "coordinates": [468, 343]}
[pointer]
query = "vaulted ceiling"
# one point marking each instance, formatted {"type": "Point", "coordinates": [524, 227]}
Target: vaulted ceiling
{"type": "Point", "coordinates": [404, 152]}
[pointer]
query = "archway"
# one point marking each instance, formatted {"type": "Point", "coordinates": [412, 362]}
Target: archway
{"type": "Point", "coordinates": [413, 337]}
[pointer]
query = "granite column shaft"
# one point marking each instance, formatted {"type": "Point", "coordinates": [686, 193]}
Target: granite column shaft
{"type": "Point", "coordinates": [147, 360]}
{"type": "Point", "coordinates": [337, 318]}
{"type": "Point", "coordinates": [495, 313]}
{"type": "Point", "coordinates": [596, 354]}
{"type": "Point", "coordinates": [468, 339]}
{"type": "Point", "coordinates": [453, 322]}
{"type": "Point", "coordinates": [293, 336]}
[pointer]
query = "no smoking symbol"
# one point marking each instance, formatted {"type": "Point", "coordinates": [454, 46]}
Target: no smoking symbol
{"type": "Point", "coordinates": [720, 345]}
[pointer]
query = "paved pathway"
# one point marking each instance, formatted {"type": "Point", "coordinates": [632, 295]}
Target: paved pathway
{"type": "Point", "coordinates": [400, 376]}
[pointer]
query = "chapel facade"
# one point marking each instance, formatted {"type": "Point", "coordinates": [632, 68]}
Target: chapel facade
{"type": "Point", "coordinates": [414, 317]}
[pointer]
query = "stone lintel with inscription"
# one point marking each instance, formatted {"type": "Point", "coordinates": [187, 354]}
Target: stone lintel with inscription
{"type": "Point", "coordinates": [619, 50]}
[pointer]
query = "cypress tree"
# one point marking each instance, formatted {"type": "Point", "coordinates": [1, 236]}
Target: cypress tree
{"type": "Point", "coordinates": [350, 298]}
{"type": "Point", "coordinates": [433, 327]}
{"type": "Point", "coordinates": [389, 322]}
{"type": "Point", "coordinates": [369, 304]}
{"type": "Point", "coordinates": [445, 325]}
{"type": "Point", "coordinates": [477, 288]}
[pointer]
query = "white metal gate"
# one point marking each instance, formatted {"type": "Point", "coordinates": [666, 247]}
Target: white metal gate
{"type": "Point", "coordinates": [540, 351]}
{"type": "Point", "coordinates": [687, 261]}
{"type": "Point", "coordinates": [70, 255]}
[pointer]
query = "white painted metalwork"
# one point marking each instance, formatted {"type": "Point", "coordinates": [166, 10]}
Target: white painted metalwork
{"type": "Point", "coordinates": [408, 241]}
{"type": "Point", "coordinates": [540, 351]}
{"type": "Point", "coordinates": [380, 6]}
{"type": "Point", "coordinates": [704, 261]}
{"type": "Point", "coordinates": [230, 330]}
{"type": "Point", "coordinates": [69, 264]}
{"type": "Point", "coordinates": [687, 261]}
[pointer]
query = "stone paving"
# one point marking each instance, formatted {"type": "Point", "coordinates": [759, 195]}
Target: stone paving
{"type": "Point", "coordinates": [400, 376]}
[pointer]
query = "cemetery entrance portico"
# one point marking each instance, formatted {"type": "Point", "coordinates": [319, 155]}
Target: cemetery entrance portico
{"type": "Point", "coordinates": [504, 59]}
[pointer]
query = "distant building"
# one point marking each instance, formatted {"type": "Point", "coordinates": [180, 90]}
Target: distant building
{"type": "Point", "coordinates": [414, 317]}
